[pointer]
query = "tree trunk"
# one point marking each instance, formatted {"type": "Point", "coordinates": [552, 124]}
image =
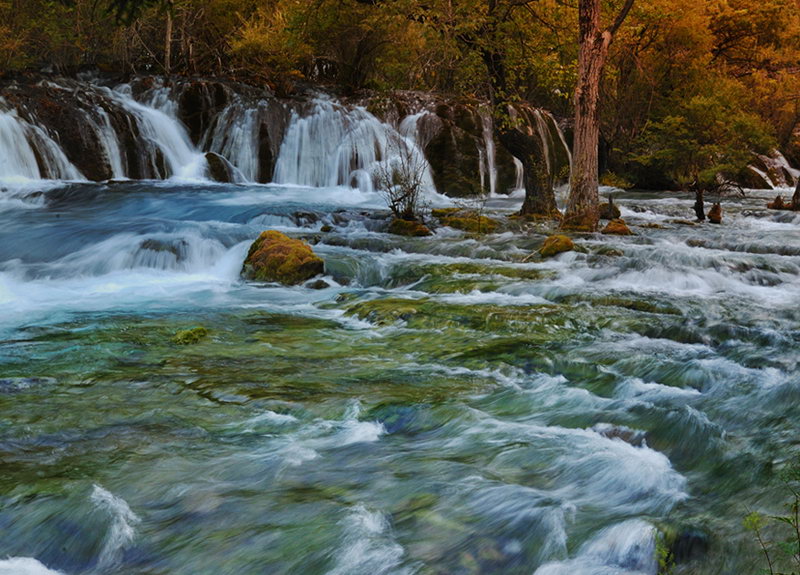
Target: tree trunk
{"type": "Point", "coordinates": [540, 199]}
{"type": "Point", "coordinates": [796, 197]}
{"type": "Point", "coordinates": [583, 205]}
{"type": "Point", "coordinates": [699, 207]}
{"type": "Point", "coordinates": [168, 40]}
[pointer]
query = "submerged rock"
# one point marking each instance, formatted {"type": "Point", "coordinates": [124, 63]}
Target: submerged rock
{"type": "Point", "coordinates": [617, 227]}
{"type": "Point", "coordinates": [555, 245]}
{"type": "Point", "coordinates": [402, 227]}
{"type": "Point", "coordinates": [318, 284]}
{"type": "Point", "coordinates": [715, 214]}
{"type": "Point", "coordinates": [275, 257]}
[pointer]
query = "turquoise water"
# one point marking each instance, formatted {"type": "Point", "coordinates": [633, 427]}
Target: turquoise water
{"type": "Point", "coordinates": [447, 405]}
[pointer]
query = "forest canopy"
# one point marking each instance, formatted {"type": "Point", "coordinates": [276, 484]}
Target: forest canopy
{"type": "Point", "coordinates": [690, 88]}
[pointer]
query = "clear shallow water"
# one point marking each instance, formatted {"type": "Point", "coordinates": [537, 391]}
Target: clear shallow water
{"type": "Point", "coordinates": [443, 407]}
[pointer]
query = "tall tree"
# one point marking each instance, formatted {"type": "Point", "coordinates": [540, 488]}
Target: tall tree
{"type": "Point", "coordinates": [583, 205]}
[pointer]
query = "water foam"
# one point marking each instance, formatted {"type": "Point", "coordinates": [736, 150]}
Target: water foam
{"type": "Point", "coordinates": [24, 566]}
{"type": "Point", "coordinates": [122, 530]}
{"type": "Point", "coordinates": [368, 547]}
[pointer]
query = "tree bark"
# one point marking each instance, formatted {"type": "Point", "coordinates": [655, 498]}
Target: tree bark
{"type": "Point", "coordinates": [699, 206]}
{"type": "Point", "coordinates": [168, 40]}
{"type": "Point", "coordinates": [583, 205]}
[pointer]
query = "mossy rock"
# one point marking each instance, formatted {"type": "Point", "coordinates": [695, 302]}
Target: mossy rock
{"type": "Point", "coordinates": [626, 303]}
{"type": "Point", "coordinates": [555, 245]}
{"type": "Point", "coordinates": [542, 322]}
{"type": "Point", "coordinates": [617, 227]}
{"type": "Point", "coordinates": [275, 257]}
{"type": "Point", "coordinates": [189, 336]}
{"type": "Point", "coordinates": [471, 222]}
{"type": "Point", "coordinates": [400, 227]}
{"type": "Point", "coordinates": [609, 252]}
{"type": "Point", "coordinates": [462, 276]}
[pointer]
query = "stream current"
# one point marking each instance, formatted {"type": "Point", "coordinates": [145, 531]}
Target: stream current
{"type": "Point", "coordinates": [447, 405]}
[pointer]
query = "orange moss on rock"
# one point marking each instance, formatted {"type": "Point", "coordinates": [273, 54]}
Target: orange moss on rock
{"type": "Point", "coordinates": [402, 227]}
{"type": "Point", "coordinates": [617, 227]}
{"type": "Point", "coordinates": [555, 245]}
{"type": "Point", "coordinates": [275, 257]}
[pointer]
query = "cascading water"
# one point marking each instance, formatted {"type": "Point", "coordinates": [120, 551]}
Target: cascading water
{"type": "Point", "coordinates": [333, 146]}
{"type": "Point", "coordinates": [489, 165]}
{"type": "Point", "coordinates": [162, 136]}
{"type": "Point", "coordinates": [235, 136]}
{"type": "Point", "coordinates": [28, 153]}
{"type": "Point", "coordinates": [444, 402]}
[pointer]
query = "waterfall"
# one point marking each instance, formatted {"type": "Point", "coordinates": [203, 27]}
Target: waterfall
{"type": "Point", "coordinates": [489, 166]}
{"type": "Point", "coordinates": [236, 137]}
{"type": "Point", "coordinates": [28, 152]}
{"type": "Point", "coordinates": [110, 134]}
{"type": "Point", "coordinates": [557, 155]}
{"type": "Point", "coordinates": [162, 135]}
{"type": "Point", "coordinates": [334, 146]}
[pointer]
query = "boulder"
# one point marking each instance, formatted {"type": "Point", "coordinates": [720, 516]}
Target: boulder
{"type": "Point", "coordinates": [220, 169]}
{"type": "Point", "coordinates": [555, 245]}
{"type": "Point", "coordinates": [275, 257]}
{"type": "Point", "coordinates": [609, 211]}
{"type": "Point", "coordinates": [402, 227]}
{"type": "Point", "coordinates": [617, 227]}
{"type": "Point", "coordinates": [715, 214]}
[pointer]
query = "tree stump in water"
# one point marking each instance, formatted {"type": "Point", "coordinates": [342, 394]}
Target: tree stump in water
{"type": "Point", "coordinates": [715, 214]}
{"type": "Point", "coordinates": [699, 208]}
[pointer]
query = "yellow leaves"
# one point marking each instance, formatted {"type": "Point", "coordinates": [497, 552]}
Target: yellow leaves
{"type": "Point", "coordinates": [267, 42]}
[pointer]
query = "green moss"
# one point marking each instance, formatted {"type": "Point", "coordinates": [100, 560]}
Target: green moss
{"type": "Point", "coordinates": [401, 227]}
{"type": "Point", "coordinates": [555, 245]}
{"type": "Point", "coordinates": [471, 222]}
{"type": "Point", "coordinates": [626, 303]}
{"type": "Point", "coordinates": [462, 277]}
{"type": "Point", "coordinates": [275, 257]}
{"type": "Point", "coordinates": [190, 336]}
{"type": "Point", "coordinates": [444, 212]}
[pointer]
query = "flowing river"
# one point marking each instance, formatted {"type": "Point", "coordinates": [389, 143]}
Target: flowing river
{"type": "Point", "coordinates": [447, 405]}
